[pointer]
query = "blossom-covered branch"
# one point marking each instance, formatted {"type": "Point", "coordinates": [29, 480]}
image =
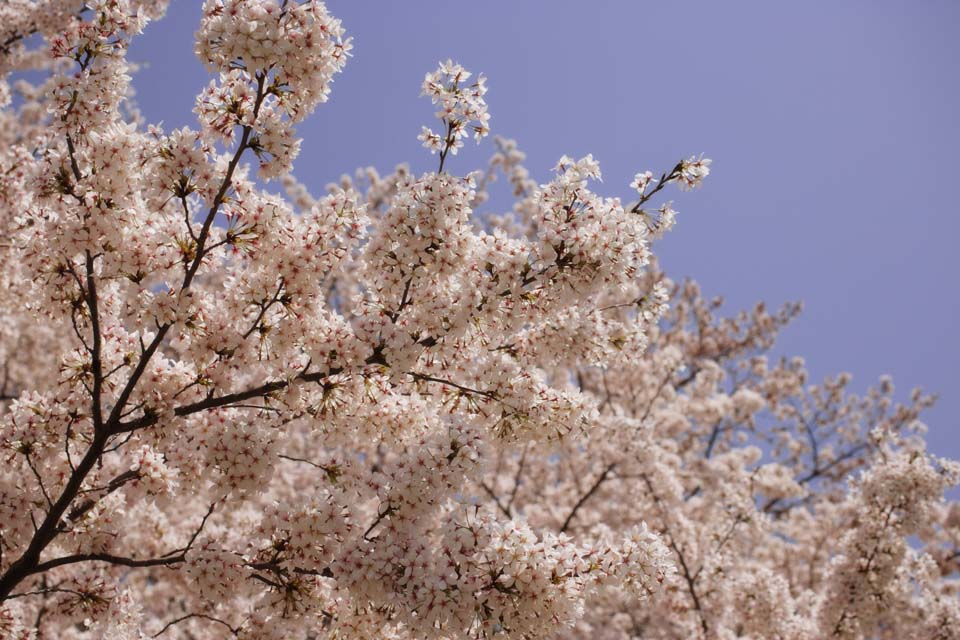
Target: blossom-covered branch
{"type": "Point", "coordinates": [389, 410]}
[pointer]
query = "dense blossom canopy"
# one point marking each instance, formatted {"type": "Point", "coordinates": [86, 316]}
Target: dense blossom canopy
{"type": "Point", "coordinates": [376, 413]}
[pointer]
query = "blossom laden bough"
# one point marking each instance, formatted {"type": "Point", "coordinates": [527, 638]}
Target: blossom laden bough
{"type": "Point", "coordinates": [380, 412]}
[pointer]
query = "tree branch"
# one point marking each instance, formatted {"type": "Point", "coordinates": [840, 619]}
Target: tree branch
{"type": "Point", "coordinates": [586, 496]}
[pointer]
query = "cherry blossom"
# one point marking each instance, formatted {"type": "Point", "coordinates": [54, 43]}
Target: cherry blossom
{"type": "Point", "coordinates": [384, 409]}
{"type": "Point", "coordinates": [462, 108]}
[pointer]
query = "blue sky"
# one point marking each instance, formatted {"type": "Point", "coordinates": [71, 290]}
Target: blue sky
{"type": "Point", "coordinates": [832, 128]}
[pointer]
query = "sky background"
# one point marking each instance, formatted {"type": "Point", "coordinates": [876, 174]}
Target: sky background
{"type": "Point", "coordinates": [832, 127]}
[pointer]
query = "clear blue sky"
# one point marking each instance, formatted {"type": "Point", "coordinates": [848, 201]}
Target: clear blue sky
{"type": "Point", "coordinates": [832, 127]}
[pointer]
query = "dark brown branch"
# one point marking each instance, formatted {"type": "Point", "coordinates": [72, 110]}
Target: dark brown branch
{"type": "Point", "coordinates": [516, 478]}
{"type": "Point", "coordinates": [690, 579]}
{"type": "Point", "coordinates": [447, 144]}
{"type": "Point", "coordinates": [586, 496]}
{"type": "Point", "coordinates": [380, 516]}
{"type": "Point", "coordinates": [150, 419]}
{"type": "Point", "coordinates": [108, 558]}
{"type": "Point", "coordinates": [665, 178]}
{"type": "Point", "coordinates": [45, 591]}
{"type": "Point", "coordinates": [496, 500]}
{"type": "Point", "coordinates": [173, 557]}
{"type": "Point", "coordinates": [816, 473]}
{"type": "Point", "coordinates": [97, 348]}
{"type": "Point", "coordinates": [264, 307]}
{"type": "Point", "coordinates": [691, 585]}
{"type": "Point", "coordinates": [26, 564]}
{"type": "Point", "coordinates": [426, 378]}
{"type": "Point", "coordinates": [37, 475]}
{"type": "Point", "coordinates": [234, 630]}
{"type": "Point", "coordinates": [78, 511]}
{"type": "Point", "coordinates": [14, 38]}
{"type": "Point", "coordinates": [191, 271]}
{"type": "Point", "coordinates": [187, 217]}
{"type": "Point", "coordinates": [332, 472]}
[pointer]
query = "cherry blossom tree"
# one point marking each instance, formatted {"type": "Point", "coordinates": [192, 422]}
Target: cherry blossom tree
{"type": "Point", "coordinates": [383, 411]}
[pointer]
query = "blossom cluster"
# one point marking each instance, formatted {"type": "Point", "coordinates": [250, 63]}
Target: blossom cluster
{"type": "Point", "coordinates": [462, 108]}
